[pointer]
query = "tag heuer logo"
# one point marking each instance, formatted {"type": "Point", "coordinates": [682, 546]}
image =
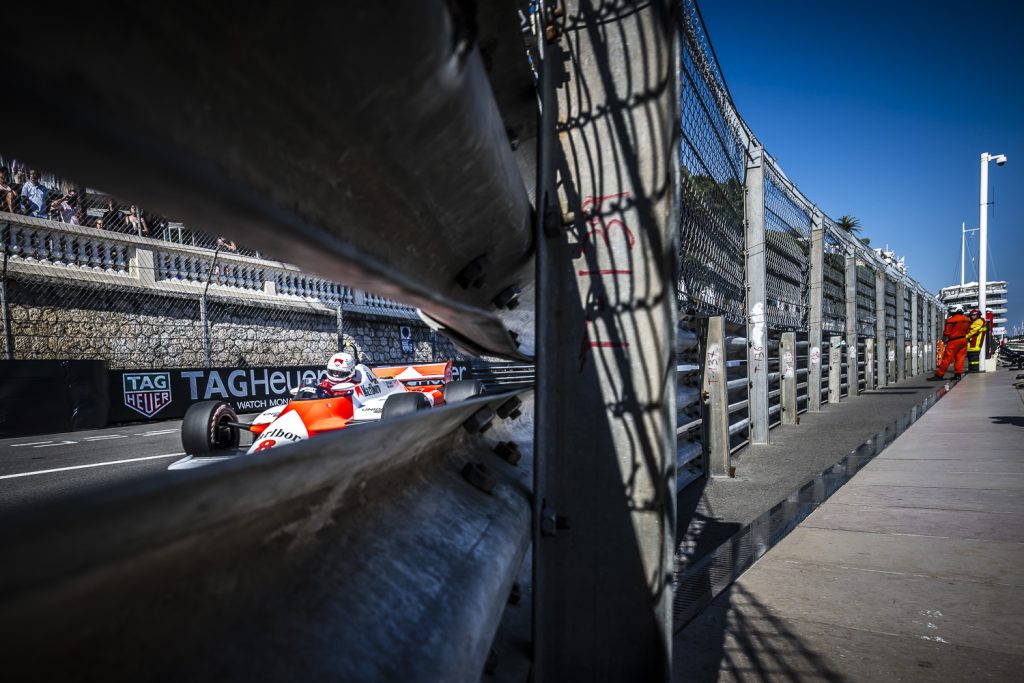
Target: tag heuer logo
{"type": "Point", "coordinates": [147, 392]}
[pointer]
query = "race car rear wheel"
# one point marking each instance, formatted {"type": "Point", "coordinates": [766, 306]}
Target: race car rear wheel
{"type": "Point", "coordinates": [205, 430]}
{"type": "Point", "coordinates": [398, 405]}
{"type": "Point", "coordinates": [462, 390]}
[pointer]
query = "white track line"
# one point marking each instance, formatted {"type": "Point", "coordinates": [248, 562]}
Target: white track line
{"type": "Point", "coordinates": [96, 464]}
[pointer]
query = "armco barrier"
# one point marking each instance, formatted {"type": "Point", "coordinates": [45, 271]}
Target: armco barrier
{"type": "Point", "coordinates": [51, 396]}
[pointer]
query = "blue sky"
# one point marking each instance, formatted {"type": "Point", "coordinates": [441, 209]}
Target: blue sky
{"type": "Point", "coordinates": [881, 110]}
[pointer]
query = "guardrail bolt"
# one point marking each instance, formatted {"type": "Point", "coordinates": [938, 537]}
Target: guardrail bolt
{"type": "Point", "coordinates": [477, 474]}
{"type": "Point", "coordinates": [548, 525]}
{"type": "Point", "coordinates": [473, 274]}
{"type": "Point", "coordinates": [552, 220]}
{"type": "Point", "coordinates": [508, 298]}
{"type": "Point", "coordinates": [480, 421]}
{"type": "Point", "coordinates": [515, 595]}
{"type": "Point", "coordinates": [510, 408]}
{"type": "Point", "coordinates": [508, 451]}
{"type": "Point", "coordinates": [551, 522]}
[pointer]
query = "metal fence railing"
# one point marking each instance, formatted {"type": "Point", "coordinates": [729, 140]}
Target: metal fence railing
{"type": "Point", "coordinates": [720, 230]}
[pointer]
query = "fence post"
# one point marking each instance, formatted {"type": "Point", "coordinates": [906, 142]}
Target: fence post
{"type": "Point", "coordinates": [915, 366]}
{"type": "Point", "coordinates": [835, 370]}
{"type": "Point", "coordinates": [4, 305]}
{"type": "Point", "coordinates": [757, 334]}
{"type": "Point", "coordinates": [787, 369]}
{"type": "Point", "coordinates": [715, 394]}
{"type": "Point", "coordinates": [901, 331]}
{"type": "Point", "coordinates": [890, 350]}
{"type": "Point", "coordinates": [929, 361]}
{"type": "Point", "coordinates": [814, 315]}
{"type": "Point", "coordinates": [340, 324]}
{"type": "Point", "coordinates": [606, 367]}
{"type": "Point", "coordinates": [882, 361]}
{"type": "Point", "coordinates": [869, 363]}
{"type": "Point", "coordinates": [851, 325]}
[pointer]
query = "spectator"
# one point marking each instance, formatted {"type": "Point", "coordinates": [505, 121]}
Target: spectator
{"type": "Point", "coordinates": [37, 196]}
{"type": "Point", "coordinates": [8, 195]}
{"type": "Point", "coordinates": [113, 218]}
{"type": "Point", "coordinates": [99, 224]}
{"type": "Point", "coordinates": [135, 222]}
{"type": "Point", "coordinates": [70, 207]}
{"type": "Point", "coordinates": [225, 244]}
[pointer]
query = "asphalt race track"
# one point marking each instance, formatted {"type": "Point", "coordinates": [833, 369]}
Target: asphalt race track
{"type": "Point", "coordinates": [37, 469]}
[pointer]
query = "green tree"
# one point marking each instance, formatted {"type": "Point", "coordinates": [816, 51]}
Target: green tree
{"type": "Point", "coordinates": [850, 224]}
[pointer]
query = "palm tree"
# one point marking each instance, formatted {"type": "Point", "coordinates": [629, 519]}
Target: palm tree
{"type": "Point", "coordinates": [850, 224]}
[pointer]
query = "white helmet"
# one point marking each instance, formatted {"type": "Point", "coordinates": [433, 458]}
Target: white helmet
{"type": "Point", "coordinates": [341, 367]}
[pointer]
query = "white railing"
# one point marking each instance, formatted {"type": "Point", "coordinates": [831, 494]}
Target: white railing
{"type": "Point", "coordinates": [65, 248]}
{"type": "Point", "coordinates": [43, 248]}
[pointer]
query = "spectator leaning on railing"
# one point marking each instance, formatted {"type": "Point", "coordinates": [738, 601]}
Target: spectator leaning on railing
{"type": "Point", "coordinates": [136, 223]}
{"type": "Point", "coordinates": [37, 196]}
{"type": "Point", "coordinates": [69, 207]}
{"type": "Point", "coordinates": [112, 219]}
{"type": "Point", "coordinates": [8, 195]}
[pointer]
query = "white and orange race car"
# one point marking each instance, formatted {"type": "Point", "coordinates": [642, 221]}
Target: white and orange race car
{"type": "Point", "coordinates": [211, 430]}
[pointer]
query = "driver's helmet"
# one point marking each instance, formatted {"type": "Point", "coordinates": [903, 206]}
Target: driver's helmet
{"type": "Point", "coordinates": [975, 311]}
{"type": "Point", "coordinates": [957, 309]}
{"type": "Point", "coordinates": [341, 367]}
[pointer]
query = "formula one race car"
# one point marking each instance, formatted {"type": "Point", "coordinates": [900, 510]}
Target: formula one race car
{"type": "Point", "coordinates": [211, 430]}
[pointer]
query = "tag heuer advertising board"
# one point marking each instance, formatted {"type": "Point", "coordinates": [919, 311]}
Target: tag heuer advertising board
{"type": "Point", "coordinates": [162, 394]}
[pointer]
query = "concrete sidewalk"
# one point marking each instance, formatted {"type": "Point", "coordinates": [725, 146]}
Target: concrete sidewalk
{"type": "Point", "coordinates": [912, 571]}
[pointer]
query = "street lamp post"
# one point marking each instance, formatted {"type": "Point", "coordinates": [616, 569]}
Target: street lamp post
{"type": "Point", "coordinates": [1000, 159]}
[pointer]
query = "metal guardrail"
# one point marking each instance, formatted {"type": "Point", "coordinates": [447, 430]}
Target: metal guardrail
{"type": "Point", "coordinates": [316, 548]}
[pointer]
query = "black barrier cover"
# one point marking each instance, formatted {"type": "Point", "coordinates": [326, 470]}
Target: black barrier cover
{"type": "Point", "coordinates": [52, 396]}
{"type": "Point", "coordinates": [160, 394]}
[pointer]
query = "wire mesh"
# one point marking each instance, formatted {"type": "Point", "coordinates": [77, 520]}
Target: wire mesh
{"type": "Point", "coordinates": [866, 316]}
{"type": "Point", "coordinates": [833, 284]}
{"type": "Point", "coordinates": [787, 241]}
{"type": "Point", "coordinates": [713, 167]}
{"type": "Point", "coordinates": [86, 276]}
{"type": "Point", "coordinates": [890, 309]}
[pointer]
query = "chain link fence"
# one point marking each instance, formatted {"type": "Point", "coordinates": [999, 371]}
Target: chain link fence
{"type": "Point", "coordinates": [89, 277]}
{"type": "Point", "coordinates": [787, 225]}
{"type": "Point", "coordinates": [833, 283]}
{"type": "Point", "coordinates": [713, 170]}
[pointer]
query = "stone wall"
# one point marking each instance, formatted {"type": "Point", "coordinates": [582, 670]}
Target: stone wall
{"type": "Point", "coordinates": [141, 330]}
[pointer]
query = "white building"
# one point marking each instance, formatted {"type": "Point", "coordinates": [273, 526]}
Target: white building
{"type": "Point", "coordinates": [966, 295]}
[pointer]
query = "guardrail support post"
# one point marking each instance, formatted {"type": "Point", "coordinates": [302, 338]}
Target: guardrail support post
{"type": "Point", "coordinates": [835, 370]}
{"type": "Point", "coordinates": [929, 359]}
{"type": "Point", "coordinates": [757, 332]}
{"type": "Point", "coordinates": [882, 370]}
{"type": "Point", "coordinates": [851, 326]}
{"type": "Point", "coordinates": [890, 346]}
{"type": "Point", "coordinates": [787, 370]}
{"type": "Point", "coordinates": [814, 315]}
{"type": "Point", "coordinates": [604, 418]}
{"type": "Point", "coordinates": [915, 365]}
{"type": "Point", "coordinates": [901, 331]}
{"type": "Point", "coordinates": [869, 364]}
{"type": "Point", "coordinates": [715, 394]}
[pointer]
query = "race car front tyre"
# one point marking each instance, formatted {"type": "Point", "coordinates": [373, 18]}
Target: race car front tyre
{"type": "Point", "coordinates": [462, 390]}
{"type": "Point", "coordinates": [205, 430]}
{"type": "Point", "coordinates": [398, 405]}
